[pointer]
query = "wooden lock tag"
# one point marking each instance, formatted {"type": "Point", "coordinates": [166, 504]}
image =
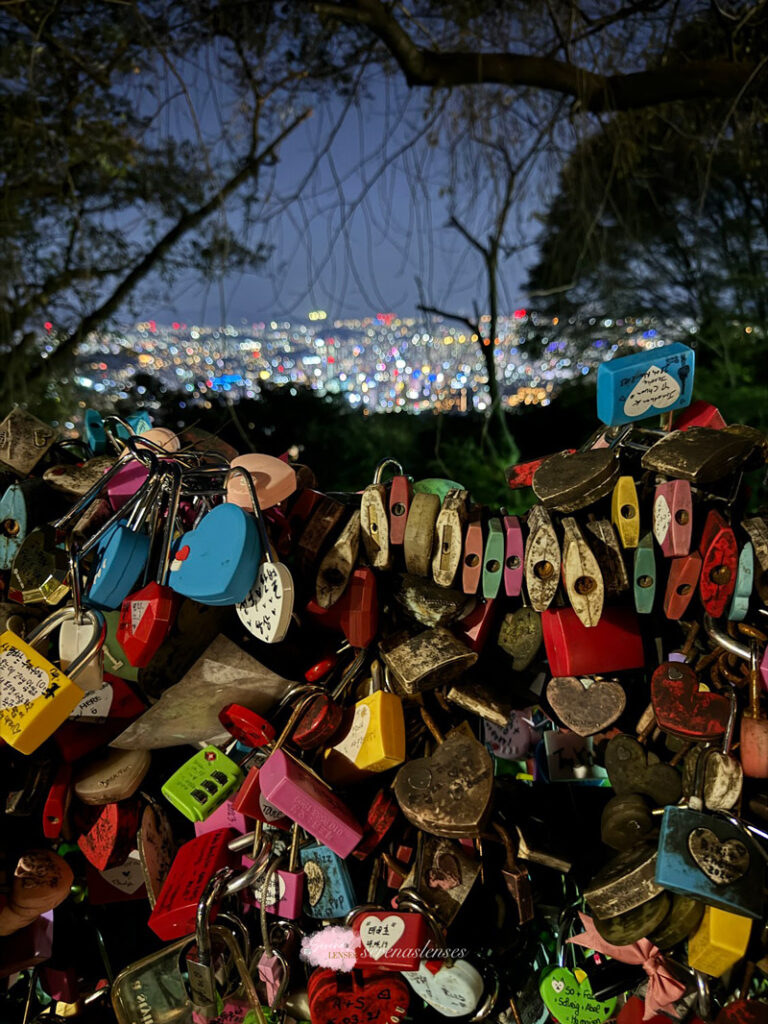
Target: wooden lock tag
{"type": "Point", "coordinates": [449, 530]}
{"type": "Point", "coordinates": [581, 575]}
{"type": "Point", "coordinates": [542, 559]}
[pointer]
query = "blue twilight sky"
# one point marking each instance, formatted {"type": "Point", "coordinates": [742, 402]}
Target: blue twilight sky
{"type": "Point", "coordinates": [369, 225]}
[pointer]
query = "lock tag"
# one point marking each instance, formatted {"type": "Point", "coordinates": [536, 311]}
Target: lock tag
{"type": "Point", "coordinates": [35, 695]}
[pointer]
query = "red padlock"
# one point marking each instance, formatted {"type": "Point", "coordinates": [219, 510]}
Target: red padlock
{"type": "Point", "coordinates": [356, 613]}
{"type": "Point", "coordinates": [400, 494]}
{"type": "Point", "coordinates": [246, 726]}
{"type": "Point", "coordinates": [109, 833]}
{"type": "Point", "coordinates": [699, 414]}
{"type": "Point", "coordinates": [681, 584]}
{"type": "Point", "coordinates": [522, 474]}
{"type": "Point", "coordinates": [719, 563]}
{"type": "Point", "coordinates": [613, 645]}
{"type": "Point", "coordinates": [381, 816]}
{"type": "Point", "coordinates": [475, 628]}
{"type": "Point", "coordinates": [249, 802]}
{"type": "Point", "coordinates": [57, 802]}
{"type": "Point", "coordinates": [472, 557]}
{"type": "Point", "coordinates": [390, 940]}
{"type": "Point", "coordinates": [146, 618]}
{"type": "Point", "coordinates": [197, 861]}
{"type": "Point", "coordinates": [365, 995]}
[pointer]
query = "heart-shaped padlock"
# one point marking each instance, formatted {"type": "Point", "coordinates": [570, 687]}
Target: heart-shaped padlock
{"type": "Point", "coordinates": [216, 562]}
{"type": "Point", "coordinates": [569, 999]}
{"type": "Point", "coordinates": [378, 996]}
{"type": "Point", "coordinates": [453, 991]}
{"type": "Point", "coordinates": [684, 710]}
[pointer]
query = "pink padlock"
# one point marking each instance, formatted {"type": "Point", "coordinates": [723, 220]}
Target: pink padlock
{"type": "Point", "coordinates": [126, 481]}
{"type": "Point", "coordinates": [274, 480]}
{"type": "Point", "coordinates": [514, 550]}
{"type": "Point", "coordinates": [296, 791]}
{"type": "Point", "coordinates": [673, 518]}
{"type": "Point", "coordinates": [284, 888]}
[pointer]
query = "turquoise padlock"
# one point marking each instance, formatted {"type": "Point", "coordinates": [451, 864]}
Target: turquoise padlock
{"type": "Point", "coordinates": [216, 562]}
{"type": "Point", "coordinates": [94, 433]}
{"type": "Point", "coordinates": [140, 421]}
{"type": "Point", "coordinates": [708, 857]}
{"type": "Point", "coordinates": [745, 578]}
{"type": "Point", "coordinates": [648, 383]}
{"type": "Point", "coordinates": [328, 889]}
{"type": "Point", "coordinates": [22, 507]}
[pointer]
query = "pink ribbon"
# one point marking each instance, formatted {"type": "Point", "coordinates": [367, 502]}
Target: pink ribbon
{"type": "Point", "coordinates": [663, 989]}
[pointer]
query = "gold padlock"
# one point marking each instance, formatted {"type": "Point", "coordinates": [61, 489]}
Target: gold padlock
{"type": "Point", "coordinates": [719, 942]}
{"type": "Point", "coordinates": [35, 695]}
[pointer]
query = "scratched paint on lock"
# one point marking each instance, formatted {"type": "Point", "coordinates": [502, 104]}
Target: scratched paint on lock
{"type": "Point", "coordinates": [329, 891]}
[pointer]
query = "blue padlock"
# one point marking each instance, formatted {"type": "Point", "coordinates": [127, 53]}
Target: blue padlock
{"type": "Point", "coordinates": [94, 433]}
{"type": "Point", "coordinates": [140, 421]}
{"type": "Point", "coordinates": [328, 889]}
{"type": "Point", "coordinates": [708, 858]}
{"type": "Point", "coordinates": [645, 384]}
{"type": "Point", "coordinates": [22, 507]}
{"type": "Point", "coordinates": [745, 578]}
{"type": "Point", "coordinates": [217, 561]}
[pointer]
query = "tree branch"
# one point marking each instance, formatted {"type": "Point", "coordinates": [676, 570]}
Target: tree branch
{"type": "Point", "coordinates": [186, 223]}
{"type": "Point", "coordinates": [456, 317]}
{"type": "Point", "coordinates": [595, 93]}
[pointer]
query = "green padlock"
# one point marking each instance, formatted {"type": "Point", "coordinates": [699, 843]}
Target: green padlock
{"type": "Point", "coordinates": [202, 783]}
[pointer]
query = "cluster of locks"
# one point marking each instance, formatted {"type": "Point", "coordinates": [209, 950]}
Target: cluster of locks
{"type": "Point", "coordinates": [271, 754]}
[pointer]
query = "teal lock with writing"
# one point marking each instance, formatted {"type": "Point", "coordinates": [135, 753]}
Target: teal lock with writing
{"type": "Point", "coordinates": [648, 383]}
{"type": "Point", "coordinates": [328, 890]}
{"type": "Point", "coordinates": [202, 783]}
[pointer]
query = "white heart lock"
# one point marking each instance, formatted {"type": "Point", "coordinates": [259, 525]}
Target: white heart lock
{"type": "Point", "coordinates": [453, 991]}
{"type": "Point", "coordinates": [267, 609]}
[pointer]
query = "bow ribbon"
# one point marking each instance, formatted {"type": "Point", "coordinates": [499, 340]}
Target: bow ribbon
{"type": "Point", "coordinates": [663, 989]}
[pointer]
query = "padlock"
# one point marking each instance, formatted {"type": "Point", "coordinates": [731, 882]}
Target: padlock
{"type": "Point", "coordinates": [472, 555]}
{"type": "Point", "coordinates": [625, 511]}
{"type": "Point", "coordinates": [378, 995]}
{"type": "Point", "coordinates": [493, 558]}
{"type": "Point", "coordinates": [581, 575]}
{"type": "Point", "coordinates": [613, 645]}
{"type": "Point", "coordinates": [76, 480]}
{"type": "Point", "coordinates": [722, 774]}
{"type": "Point", "coordinates": [753, 736]}
{"type": "Point", "coordinates": [389, 940]}
{"type": "Point", "coordinates": [109, 833]}
{"type": "Point", "coordinates": [337, 565]}
{"type": "Point", "coordinates": [586, 706]}
{"type": "Point", "coordinates": [196, 862]}
{"type": "Point", "coordinates": [745, 580]}
{"type": "Point", "coordinates": [57, 802]}
{"type": "Point", "coordinates": [699, 455]}
{"type": "Point", "coordinates": [626, 820]}
{"type": "Point", "coordinates": [516, 879]}
{"type": "Point", "coordinates": [673, 517]}
{"type": "Point", "coordinates": [644, 570]}
{"type": "Point", "coordinates": [272, 967]}
{"type": "Point", "coordinates": [24, 440]}
{"type": "Point", "coordinates": [632, 769]}
{"type": "Point", "coordinates": [374, 740]}
{"type": "Point", "coordinates": [40, 569]}
{"type": "Point", "coordinates": [41, 881]}
{"type": "Point", "coordinates": [400, 498]}
{"type": "Point", "coordinates": [442, 875]}
{"type": "Point", "coordinates": [323, 715]}
{"type": "Point", "coordinates": [566, 991]}
{"type": "Point", "coordinates": [682, 708]}
{"type": "Point", "coordinates": [381, 816]}
{"type": "Point", "coordinates": [317, 535]}
{"type": "Point", "coordinates": [757, 529]}
{"type": "Point", "coordinates": [426, 661]}
{"type": "Point", "coordinates": [290, 786]}
{"type": "Point", "coordinates": [250, 802]}
{"type": "Point", "coordinates": [374, 518]}
{"type": "Point", "coordinates": [514, 556]}
{"type": "Point", "coordinates": [719, 556]}
{"type": "Point", "coordinates": [356, 613]}
{"type": "Point", "coordinates": [645, 384]}
{"type": "Point", "coordinates": [683, 577]}
{"type": "Point", "coordinates": [328, 889]}
{"type": "Point", "coordinates": [283, 893]}
{"type": "Point", "coordinates": [719, 942]}
{"type": "Point", "coordinates": [111, 776]}
{"type": "Point", "coordinates": [202, 783]}
{"type": "Point", "coordinates": [542, 559]}
{"type": "Point", "coordinates": [419, 538]}
{"type": "Point", "coordinates": [625, 882]}
{"type": "Point", "coordinates": [449, 793]}
{"type": "Point", "coordinates": [267, 609]}
{"type": "Point", "coordinates": [699, 414]}
{"type": "Point", "coordinates": [683, 918]}
{"type": "Point", "coordinates": [568, 482]}
{"type": "Point", "coordinates": [93, 431]}
{"type": "Point", "coordinates": [37, 695]}
{"type": "Point", "coordinates": [449, 537]}
{"type": "Point", "coordinates": [273, 479]}
{"type": "Point", "coordinates": [520, 636]}
{"type": "Point", "coordinates": [634, 924]}
{"type": "Point", "coordinates": [23, 506]}
{"type": "Point", "coordinates": [604, 543]}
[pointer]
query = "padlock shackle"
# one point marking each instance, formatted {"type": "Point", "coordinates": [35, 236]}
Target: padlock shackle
{"type": "Point", "coordinates": [90, 495]}
{"type": "Point", "coordinates": [214, 890]}
{"type": "Point", "coordinates": [58, 618]}
{"type": "Point", "coordinates": [258, 514]}
{"type": "Point", "coordinates": [486, 1007]}
{"type": "Point", "coordinates": [251, 875]}
{"type": "Point", "coordinates": [722, 639]}
{"type": "Point", "coordinates": [378, 472]}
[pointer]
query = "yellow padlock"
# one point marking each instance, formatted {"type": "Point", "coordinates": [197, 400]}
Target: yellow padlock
{"type": "Point", "coordinates": [375, 740]}
{"type": "Point", "coordinates": [35, 695]}
{"type": "Point", "coordinates": [719, 942]}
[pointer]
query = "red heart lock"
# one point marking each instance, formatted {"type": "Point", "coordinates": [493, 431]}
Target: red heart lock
{"type": "Point", "coordinates": [684, 710]}
{"type": "Point", "coordinates": [634, 1008]}
{"type": "Point", "coordinates": [358, 996]}
{"type": "Point", "coordinates": [110, 834]}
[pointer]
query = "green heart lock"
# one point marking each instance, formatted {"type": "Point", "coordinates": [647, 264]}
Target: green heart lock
{"type": "Point", "coordinates": [570, 1001]}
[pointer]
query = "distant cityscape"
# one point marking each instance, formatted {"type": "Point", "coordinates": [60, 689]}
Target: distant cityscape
{"type": "Point", "coordinates": [380, 363]}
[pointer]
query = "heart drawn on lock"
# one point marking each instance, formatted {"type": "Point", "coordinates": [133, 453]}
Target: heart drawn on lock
{"type": "Point", "coordinates": [723, 862]}
{"type": "Point", "coordinates": [656, 389]}
{"type": "Point", "coordinates": [380, 935]}
{"type": "Point", "coordinates": [267, 609]}
{"type": "Point", "coordinates": [447, 794]}
{"type": "Point", "coordinates": [216, 562]}
{"type": "Point", "coordinates": [684, 710]}
{"type": "Point", "coordinates": [570, 1000]}
{"type": "Point", "coordinates": [586, 710]}
{"type": "Point", "coordinates": [315, 881]}
{"type": "Point", "coordinates": [631, 770]}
